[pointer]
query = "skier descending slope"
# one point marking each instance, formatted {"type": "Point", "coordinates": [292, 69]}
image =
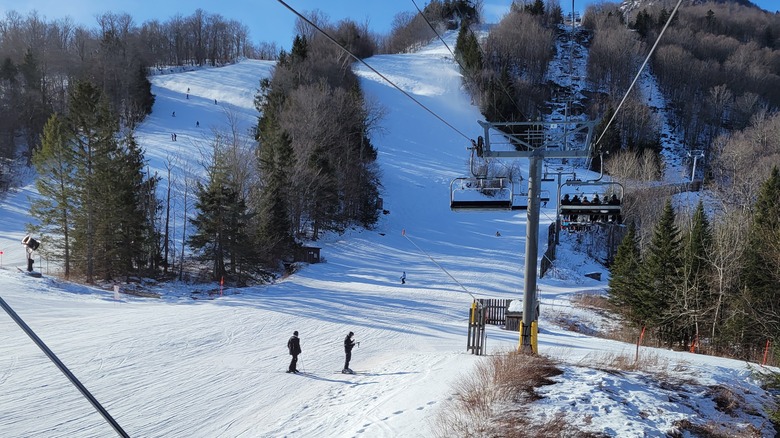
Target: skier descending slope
{"type": "Point", "coordinates": [348, 344]}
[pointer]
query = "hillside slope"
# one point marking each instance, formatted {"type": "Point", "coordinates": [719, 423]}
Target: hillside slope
{"type": "Point", "coordinates": [178, 366]}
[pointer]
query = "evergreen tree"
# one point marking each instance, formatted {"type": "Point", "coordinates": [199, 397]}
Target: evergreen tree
{"type": "Point", "coordinates": [323, 208]}
{"type": "Point", "coordinates": [140, 96]}
{"type": "Point", "coordinates": [644, 23]}
{"type": "Point", "coordinates": [130, 220]}
{"type": "Point", "coordinates": [761, 269]}
{"type": "Point", "coordinates": [91, 130]}
{"type": "Point", "coordinates": [660, 275]}
{"type": "Point", "coordinates": [274, 229]}
{"type": "Point", "coordinates": [535, 8]}
{"type": "Point", "coordinates": [694, 300]}
{"type": "Point", "coordinates": [220, 227]}
{"type": "Point", "coordinates": [94, 196]}
{"type": "Point", "coordinates": [468, 52]}
{"type": "Point", "coordinates": [221, 234]}
{"type": "Point", "coordinates": [300, 49]}
{"type": "Point", "coordinates": [56, 184]}
{"type": "Point", "coordinates": [624, 282]}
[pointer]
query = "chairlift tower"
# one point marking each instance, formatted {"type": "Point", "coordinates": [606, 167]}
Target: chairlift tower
{"type": "Point", "coordinates": [536, 145]}
{"type": "Point", "coordinates": [695, 154]}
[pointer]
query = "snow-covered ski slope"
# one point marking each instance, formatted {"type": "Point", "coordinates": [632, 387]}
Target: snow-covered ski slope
{"type": "Point", "coordinates": [179, 367]}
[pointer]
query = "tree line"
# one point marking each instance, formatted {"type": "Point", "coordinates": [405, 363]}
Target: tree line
{"type": "Point", "coordinates": [505, 73]}
{"type": "Point", "coordinates": [39, 58]}
{"type": "Point", "coordinates": [699, 276]}
{"type": "Point", "coordinates": [717, 66]}
{"type": "Point", "coordinates": [710, 284]}
{"type": "Point", "coordinates": [97, 208]}
{"type": "Point", "coordinates": [709, 275]}
{"type": "Point", "coordinates": [314, 162]}
{"type": "Point", "coordinates": [717, 63]}
{"type": "Point", "coordinates": [312, 169]}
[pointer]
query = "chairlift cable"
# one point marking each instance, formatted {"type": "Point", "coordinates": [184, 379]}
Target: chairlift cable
{"type": "Point", "coordinates": [437, 264]}
{"type": "Point", "coordinates": [482, 53]}
{"type": "Point", "coordinates": [310, 23]}
{"type": "Point", "coordinates": [647, 58]}
{"type": "Point", "coordinates": [63, 368]}
{"type": "Point", "coordinates": [438, 35]}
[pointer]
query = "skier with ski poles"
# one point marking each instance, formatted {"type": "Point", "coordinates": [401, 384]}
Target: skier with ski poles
{"type": "Point", "coordinates": [348, 344]}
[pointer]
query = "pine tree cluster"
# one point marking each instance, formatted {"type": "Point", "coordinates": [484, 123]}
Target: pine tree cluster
{"type": "Point", "coordinates": [97, 207]}
{"type": "Point", "coordinates": [721, 292]}
{"type": "Point", "coordinates": [314, 160]}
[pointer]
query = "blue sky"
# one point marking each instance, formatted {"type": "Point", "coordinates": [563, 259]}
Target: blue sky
{"type": "Point", "coordinates": [267, 20]}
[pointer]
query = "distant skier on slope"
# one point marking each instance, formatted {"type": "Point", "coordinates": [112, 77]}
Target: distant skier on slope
{"type": "Point", "coordinates": [403, 278]}
{"type": "Point", "coordinates": [294, 346]}
{"type": "Point", "coordinates": [348, 344]}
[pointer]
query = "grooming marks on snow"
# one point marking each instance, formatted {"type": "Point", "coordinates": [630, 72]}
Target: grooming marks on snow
{"type": "Point", "coordinates": [8, 369]}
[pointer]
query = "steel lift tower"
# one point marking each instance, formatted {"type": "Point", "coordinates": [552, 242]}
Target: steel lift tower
{"type": "Point", "coordinates": [539, 141]}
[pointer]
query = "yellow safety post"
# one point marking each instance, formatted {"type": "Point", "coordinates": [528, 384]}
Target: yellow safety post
{"type": "Point", "coordinates": [520, 341]}
{"type": "Point", "coordinates": [534, 338]}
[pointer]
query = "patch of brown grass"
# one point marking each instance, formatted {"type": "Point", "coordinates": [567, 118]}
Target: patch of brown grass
{"type": "Point", "coordinates": [516, 425]}
{"type": "Point", "coordinates": [592, 301]}
{"type": "Point", "coordinates": [713, 430]}
{"type": "Point", "coordinates": [610, 361]}
{"type": "Point", "coordinates": [622, 333]}
{"type": "Point", "coordinates": [490, 402]}
{"type": "Point", "coordinates": [726, 400]}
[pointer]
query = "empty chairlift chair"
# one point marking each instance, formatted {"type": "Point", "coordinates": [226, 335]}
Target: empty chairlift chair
{"type": "Point", "coordinates": [481, 194]}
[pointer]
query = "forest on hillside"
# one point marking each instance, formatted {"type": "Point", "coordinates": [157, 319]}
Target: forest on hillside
{"type": "Point", "coordinates": [257, 201]}
{"type": "Point", "coordinates": [704, 278]}
{"type": "Point", "coordinates": [271, 195]}
{"type": "Point", "coordinates": [40, 58]}
{"type": "Point", "coordinates": [710, 270]}
{"type": "Point", "coordinates": [717, 65]}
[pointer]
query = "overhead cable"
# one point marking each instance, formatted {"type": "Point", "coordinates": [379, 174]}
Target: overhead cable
{"type": "Point", "coordinates": [647, 58]}
{"type": "Point", "coordinates": [403, 233]}
{"type": "Point", "coordinates": [64, 369]}
{"type": "Point", "coordinates": [310, 23]}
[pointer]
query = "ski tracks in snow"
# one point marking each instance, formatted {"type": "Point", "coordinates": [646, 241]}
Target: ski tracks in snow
{"type": "Point", "coordinates": [371, 403]}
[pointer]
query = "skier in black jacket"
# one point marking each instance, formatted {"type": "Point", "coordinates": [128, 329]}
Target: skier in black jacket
{"type": "Point", "coordinates": [348, 344]}
{"type": "Point", "coordinates": [294, 346]}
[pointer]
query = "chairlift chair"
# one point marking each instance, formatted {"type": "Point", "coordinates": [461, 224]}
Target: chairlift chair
{"type": "Point", "coordinates": [481, 193]}
{"type": "Point", "coordinates": [612, 210]}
